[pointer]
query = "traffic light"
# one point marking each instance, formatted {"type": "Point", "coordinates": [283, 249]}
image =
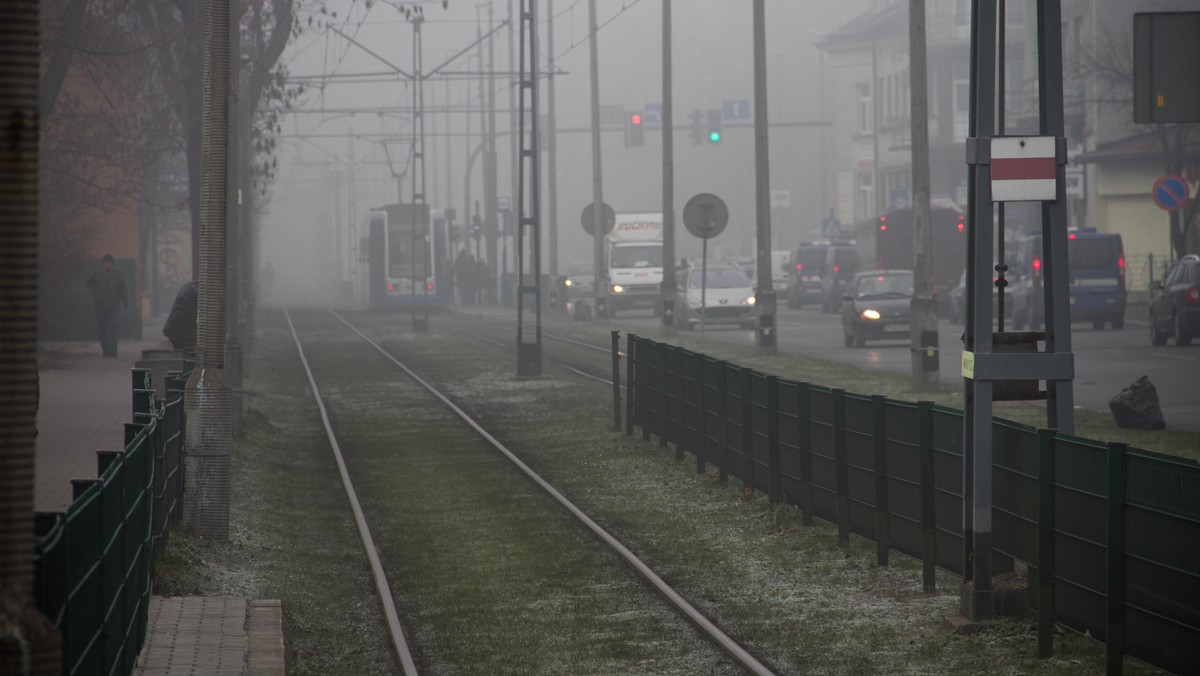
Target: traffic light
{"type": "Point", "coordinates": [696, 128]}
{"type": "Point", "coordinates": [635, 130]}
{"type": "Point", "coordinates": [714, 126]}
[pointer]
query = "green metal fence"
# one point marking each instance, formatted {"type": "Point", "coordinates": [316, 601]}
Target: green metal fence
{"type": "Point", "coordinates": [1110, 534]}
{"type": "Point", "coordinates": [94, 562]}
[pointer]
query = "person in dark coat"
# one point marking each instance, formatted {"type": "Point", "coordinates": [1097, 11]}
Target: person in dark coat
{"type": "Point", "coordinates": [108, 291]}
{"type": "Point", "coordinates": [464, 276]}
{"type": "Point", "coordinates": [180, 328]}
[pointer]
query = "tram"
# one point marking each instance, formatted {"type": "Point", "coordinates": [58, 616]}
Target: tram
{"type": "Point", "coordinates": [408, 256]}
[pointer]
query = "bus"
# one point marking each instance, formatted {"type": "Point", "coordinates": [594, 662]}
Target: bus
{"type": "Point", "coordinates": [408, 256]}
{"type": "Point", "coordinates": [886, 243]}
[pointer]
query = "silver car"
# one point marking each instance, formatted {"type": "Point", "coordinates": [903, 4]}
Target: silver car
{"type": "Point", "coordinates": [720, 295]}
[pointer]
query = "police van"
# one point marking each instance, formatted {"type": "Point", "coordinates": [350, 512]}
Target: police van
{"type": "Point", "coordinates": [1095, 278]}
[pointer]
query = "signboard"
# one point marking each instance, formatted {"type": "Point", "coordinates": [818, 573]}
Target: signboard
{"type": "Point", "coordinates": [705, 215]}
{"type": "Point", "coordinates": [1166, 83]}
{"type": "Point", "coordinates": [607, 218]}
{"type": "Point", "coordinates": [653, 115]}
{"type": "Point", "coordinates": [1170, 192]}
{"type": "Point", "coordinates": [736, 109]}
{"type": "Point", "coordinates": [1024, 169]}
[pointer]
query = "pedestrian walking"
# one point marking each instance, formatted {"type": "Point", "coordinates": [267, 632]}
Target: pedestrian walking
{"type": "Point", "coordinates": [487, 285]}
{"type": "Point", "coordinates": [180, 328]}
{"type": "Point", "coordinates": [464, 276]}
{"type": "Point", "coordinates": [108, 291]}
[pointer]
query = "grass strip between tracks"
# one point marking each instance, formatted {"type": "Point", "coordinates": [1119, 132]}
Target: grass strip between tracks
{"type": "Point", "coordinates": [796, 599]}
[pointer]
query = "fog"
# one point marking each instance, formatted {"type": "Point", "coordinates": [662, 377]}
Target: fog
{"type": "Point", "coordinates": [333, 166]}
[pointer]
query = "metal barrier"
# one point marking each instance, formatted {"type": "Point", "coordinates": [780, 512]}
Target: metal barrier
{"type": "Point", "coordinates": [94, 562]}
{"type": "Point", "coordinates": [1110, 535]}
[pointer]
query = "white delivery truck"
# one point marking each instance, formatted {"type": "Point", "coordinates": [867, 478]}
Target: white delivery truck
{"type": "Point", "coordinates": [635, 262]}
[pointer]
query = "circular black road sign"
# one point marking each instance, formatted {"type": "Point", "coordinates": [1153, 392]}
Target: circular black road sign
{"type": "Point", "coordinates": [705, 215]}
{"type": "Point", "coordinates": [607, 218]}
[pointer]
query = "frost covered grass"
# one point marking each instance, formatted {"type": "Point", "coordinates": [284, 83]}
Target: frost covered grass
{"type": "Point", "coordinates": [452, 519]}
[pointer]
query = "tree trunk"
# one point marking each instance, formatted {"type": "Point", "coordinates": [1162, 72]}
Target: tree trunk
{"type": "Point", "coordinates": [29, 643]}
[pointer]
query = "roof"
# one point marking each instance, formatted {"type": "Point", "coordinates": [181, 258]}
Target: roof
{"type": "Point", "coordinates": [869, 21]}
{"type": "Point", "coordinates": [1141, 147]}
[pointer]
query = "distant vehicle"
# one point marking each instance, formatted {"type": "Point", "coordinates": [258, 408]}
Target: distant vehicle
{"type": "Point", "coordinates": [778, 265]}
{"type": "Point", "coordinates": [1096, 279]}
{"type": "Point", "coordinates": [635, 262]}
{"type": "Point", "coordinates": [877, 306]}
{"type": "Point", "coordinates": [408, 258]}
{"type": "Point", "coordinates": [727, 298]}
{"type": "Point", "coordinates": [957, 301]}
{"type": "Point", "coordinates": [885, 242]}
{"type": "Point", "coordinates": [580, 279]}
{"type": "Point", "coordinates": [841, 263]}
{"type": "Point", "coordinates": [805, 268]}
{"type": "Point", "coordinates": [1175, 304]}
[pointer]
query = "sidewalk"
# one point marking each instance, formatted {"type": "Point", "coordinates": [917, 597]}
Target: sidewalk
{"type": "Point", "coordinates": [85, 401]}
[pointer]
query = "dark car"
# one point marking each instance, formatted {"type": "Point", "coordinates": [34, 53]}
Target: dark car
{"type": "Point", "coordinates": [841, 262]}
{"type": "Point", "coordinates": [1175, 303]}
{"type": "Point", "coordinates": [1095, 279]}
{"type": "Point", "coordinates": [956, 304]}
{"type": "Point", "coordinates": [877, 306]}
{"type": "Point", "coordinates": [806, 267]}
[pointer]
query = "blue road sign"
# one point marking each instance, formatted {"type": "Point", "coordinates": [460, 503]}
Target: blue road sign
{"type": "Point", "coordinates": [653, 114]}
{"type": "Point", "coordinates": [1170, 192]}
{"type": "Point", "coordinates": [736, 109]}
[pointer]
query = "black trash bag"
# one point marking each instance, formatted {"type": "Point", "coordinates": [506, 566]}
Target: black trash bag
{"type": "Point", "coordinates": [1136, 407]}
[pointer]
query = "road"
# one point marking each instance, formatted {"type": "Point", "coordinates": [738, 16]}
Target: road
{"type": "Point", "coordinates": [1106, 361]}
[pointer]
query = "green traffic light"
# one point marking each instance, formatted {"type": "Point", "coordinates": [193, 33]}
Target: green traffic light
{"type": "Point", "coordinates": [714, 137]}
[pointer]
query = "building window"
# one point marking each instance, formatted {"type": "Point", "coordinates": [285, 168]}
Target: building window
{"type": "Point", "coordinates": [865, 196]}
{"type": "Point", "coordinates": [865, 118]}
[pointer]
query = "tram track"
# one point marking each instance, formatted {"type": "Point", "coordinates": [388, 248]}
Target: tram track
{"type": "Point", "coordinates": [677, 602]}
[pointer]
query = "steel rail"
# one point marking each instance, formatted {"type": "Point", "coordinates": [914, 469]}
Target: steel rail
{"type": "Point", "coordinates": [381, 583]}
{"type": "Point", "coordinates": [731, 647]}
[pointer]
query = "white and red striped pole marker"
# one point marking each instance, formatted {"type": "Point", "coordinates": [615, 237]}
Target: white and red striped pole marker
{"type": "Point", "coordinates": [1024, 169]}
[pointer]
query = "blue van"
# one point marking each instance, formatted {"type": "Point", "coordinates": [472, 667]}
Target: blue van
{"type": "Point", "coordinates": [1096, 279]}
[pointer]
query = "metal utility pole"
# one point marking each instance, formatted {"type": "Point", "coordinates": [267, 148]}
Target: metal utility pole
{"type": "Point", "coordinates": [667, 288]}
{"type": "Point", "coordinates": [491, 225]}
{"type": "Point", "coordinates": [765, 293]}
{"type": "Point", "coordinates": [208, 398]}
{"type": "Point", "coordinates": [234, 227]}
{"type": "Point", "coordinates": [552, 149]}
{"type": "Point", "coordinates": [924, 336]}
{"type": "Point", "coordinates": [420, 214]}
{"type": "Point", "coordinates": [600, 276]}
{"type": "Point", "coordinates": [529, 242]}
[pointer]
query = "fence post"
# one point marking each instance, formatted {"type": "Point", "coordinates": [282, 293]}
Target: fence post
{"type": "Point", "coordinates": [723, 412]}
{"type": "Point", "coordinates": [701, 423]}
{"type": "Point", "coordinates": [630, 387]}
{"type": "Point", "coordinates": [774, 489]}
{"type": "Point", "coordinates": [646, 419]}
{"type": "Point", "coordinates": [680, 435]}
{"type": "Point", "coordinates": [140, 379]}
{"type": "Point", "coordinates": [843, 470]}
{"type": "Point", "coordinates": [616, 379]}
{"type": "Point", "coordinates": [928, 515]}
{"type": "Point", "coordinates": [747, 431]}
{"type": "Point", "coordinates": [662, 396]}
{"type": "Point", "coordinates": [1045, 537]}
{"type": "Point", "coordinates": [1114, 638]}
{"type": "Point", "coordinates": [804, 444]}
{"type": "Point", "coordinates": [883, 537]}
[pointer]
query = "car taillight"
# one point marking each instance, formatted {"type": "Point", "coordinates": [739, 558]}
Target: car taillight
{"type": "Point", "coordinates": [1121, 267]}
{"type": "Point", "coordinates": [835, 269]}
{"type": "Point", "coordinates": [1037, 270]}
{"type": "Point", "coordinates": [799, 267]}
{"type": "Point", "coordinates": [429, 286]}
{"type": "Point", "coordinates": [1192, 296]}
{"type": "Point", "coordinates": [391, 287]}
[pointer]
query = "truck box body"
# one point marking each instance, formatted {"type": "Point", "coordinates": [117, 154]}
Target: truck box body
{"type": "Point", "coordinates": [634, 261]}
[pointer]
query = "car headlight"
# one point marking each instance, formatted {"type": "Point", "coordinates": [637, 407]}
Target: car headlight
{"type": "Point", "coordinates": [568, 283]}
{"type": "Point", "coordinates": [748, 301]}
{"type": "Point", "coordinates": [693, 302]}
{"type": "Point", "coordinates": [617, 288]}
{"type": "Point", "coordinates": [870, 314]}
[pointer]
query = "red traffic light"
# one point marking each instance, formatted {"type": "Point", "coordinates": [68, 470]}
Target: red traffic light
{"type": "Point", "coordinates": [635, 119]}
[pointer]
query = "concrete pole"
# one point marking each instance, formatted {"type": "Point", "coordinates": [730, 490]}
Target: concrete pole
{"type": "Point", "coordinates": [667, 288]}
{"type": "Point", "coordinates": [923, 338]}
{"type": "Point", "coordinates": [601, 275]}
{"type": "Point", "coordinates": [765, 293]}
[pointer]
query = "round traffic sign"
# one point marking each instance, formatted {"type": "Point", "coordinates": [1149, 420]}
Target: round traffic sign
{"type": "Point", "coordinates": [607, 218]}
{"type": "Point", "coordinates": [1170, 192]}
{"type": "Point", "coordinates": [705, 215]}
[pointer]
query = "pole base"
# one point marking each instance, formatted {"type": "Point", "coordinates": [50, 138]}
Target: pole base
{"type": "Point", "coordinates": [1006, 598]}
